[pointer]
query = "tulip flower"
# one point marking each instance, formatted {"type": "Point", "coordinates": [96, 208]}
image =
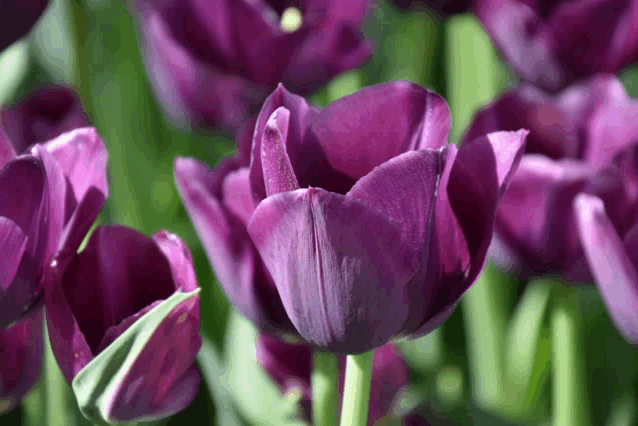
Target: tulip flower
{"type": "Point", "coordinates": [20, 360]}
{"type": "Point", "coordinates": [607, 221]}
{"type": "Point", "coordinates": [49, 197]}
{"type": "Point", "coordinates": [552, 44]}
{"type": "Point", "coordinates": [214, 63]}
{"type": "Point", "coordinates": [43, 115]}
{"type": "Point", "coordinates": [17, 19]}
{"type": "Point", "coordinates": [573, 135]}
{"type": "Point", "coordinates": [370, 226]}
{"type": "Point", "coordinates": [123, 320]}
{"type": "Point", "coordinates": [288, 365]}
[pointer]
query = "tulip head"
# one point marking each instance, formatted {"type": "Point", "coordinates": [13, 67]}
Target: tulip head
{"type": "Point", "coordinates": [214, 63]}
{"type": "Point", "coordinates": [370, 226]}
{"type": "Point", "coordinates": [124, 325]}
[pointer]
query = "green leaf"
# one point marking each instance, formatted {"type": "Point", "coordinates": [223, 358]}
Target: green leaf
{"type": "Point", "coordinates": [99, 380]}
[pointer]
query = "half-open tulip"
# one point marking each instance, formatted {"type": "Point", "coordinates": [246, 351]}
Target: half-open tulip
{"type": "Point", "coordinates": [289, 366]}
{"type": "Point", "coordinates": [215, 62]}
{"type": "Point", "coordinates": [369, 224]}
{"type": "Point", "coordinates": [49, 197]}
{"type": "Point", "coordinates": [573, 135]}
{"type": "Point", "coordinates": [553, 43]}
{"type": "Point", "coordinates": [123, 319]}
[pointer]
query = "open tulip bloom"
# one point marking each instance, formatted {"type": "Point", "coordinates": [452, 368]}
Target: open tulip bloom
{"type": "Point", "coordinates": [215, 62]}
{"type": "Point", "coordinates": [49, 197]}
{"type": "Point", "coordinates": [123, 320]}
{"type": "Point", "coordinates": [358, 217]}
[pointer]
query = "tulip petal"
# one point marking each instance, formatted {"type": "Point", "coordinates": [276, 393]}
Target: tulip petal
{"type": "Point", "coordinates": [300, 116]}
{"type": "Point", "coordinates": [82, 155]}
{"type": "Point", "coordinates": [13, 242]}
{"type": "Point", "coordinates": [236, 194]}
{"type": "Point", "coordinates": [278, 173]}
{"type": "Point", "coordinates": [24, 200]}
{"type": "Point", "coordinates": [134, 377]}
{"type": "Point", "coordinates": [6, 149]}
{"type": "Point", "coordinates": [614, 272]}
{"type": "Point", "coordinates": [363, 130]}
{"type": "Point", "coordinates": [228, 246]}
{"type": "Point", "coordinates": [339, 266]}
{"type": "Point", "coordinates": [405, 189]}
{"type": "Point", "coordinates": [179, 259]}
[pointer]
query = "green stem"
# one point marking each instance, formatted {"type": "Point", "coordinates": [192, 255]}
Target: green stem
{"type": "Point", "coordinates": [356, 391]}
{"type": "Point", "coordinates": [324, 389]}
{"type": "Point", "coordinates": [569, 404]}
{"type": "Point", "coordinates": [80, 30]}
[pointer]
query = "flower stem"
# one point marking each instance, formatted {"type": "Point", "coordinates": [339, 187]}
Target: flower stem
{"type": "Point", "coordinates": [356, 391]}
{"type": "Point", "coordinates": [570, 405]}
{"type": "Point", "coordinates": [324, 389]}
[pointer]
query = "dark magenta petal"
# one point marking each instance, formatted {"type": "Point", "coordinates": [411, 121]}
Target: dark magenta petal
{"type": "Point", "coordinates": [340, 267]}
{"type": "Point", "coordinates": [535, 219]}
{"type": "Point", "coordinates": [611, 265]}
{"type": "Point", "coordinates": [7, 152]}
{"type": "Point", "coordinates": [236, 194]}
{"type": "Point", "coordinates": [293, 134]}
{"type": "Point", "coordinates": [119, 273]}
{"type": "Point", "coordinates": [163, 380]}
{"type": "Point", "coordinates": [179, 258]}
{"type": "Point", "coordinates": [17, 19]}
{"type": "Point", "coordinates": [472, 183]}
{"type": "Point", "coordinates": [230, 251]}
{"type": "Point", "coordinates": [18, 281]}
{"type": "Point", "coordinates": [371, 126]}
{"type": "Point", "coordinates": [45, 114]}
{"type": "Point", "coordinates": [20, 359]}
{"type": "Point", "coordinates": [24, 200]}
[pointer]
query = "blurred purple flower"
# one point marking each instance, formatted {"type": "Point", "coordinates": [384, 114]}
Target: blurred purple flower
{"type": "Point", "coordinates": [119, 277]}
{"type": "Point", "coordinates": [607, 220]}
{"type": "Point", "coordinates": [215, 62]}
{"type": "Point", "coordinates": [17, 19]}
{"type": "Point", "coordinates": [553, 43]}
{"type": "Point", "coordinates": [43, 115]}
{"type": "Point", "coordinates": [391, 227]}
{"type": "Point", "coordinates": [572, 136]}
{"type": "Point", "coordinates": [20, 360]}
{"type": "Point", "coordinates": [289, 366]}
{"type": "Point", "coordinates": [48, 200]}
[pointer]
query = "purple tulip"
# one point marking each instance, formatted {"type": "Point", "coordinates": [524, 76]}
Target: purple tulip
{"type": "Point", "coordinates": [17, 19]}
{"type": "Point", "coordinates": [48, 200]}
{"type": "Point", "coordinates": [289, 365]}
{"type": "Point", "coordinates": [118, 280]}
{"type": "Point", "coordinates": [43, 115]}
{"type": "Point", "coordinates": [572, 136]}
{"type": "Point", "coordinates": [20, 360]}
{"type": "Point", "coordinates": [215, 62]}
{"type": "Point", "coordinates": [370, 226]}
{"type": "Point", "coordinates": [553, 43]}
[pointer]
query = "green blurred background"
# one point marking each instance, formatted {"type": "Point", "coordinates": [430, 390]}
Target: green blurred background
{"type": "Point", "coordinates": [489, 364]}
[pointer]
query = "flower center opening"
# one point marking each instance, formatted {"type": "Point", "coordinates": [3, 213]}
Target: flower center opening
{"type": "Point", "coordinates": [291, 20]}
